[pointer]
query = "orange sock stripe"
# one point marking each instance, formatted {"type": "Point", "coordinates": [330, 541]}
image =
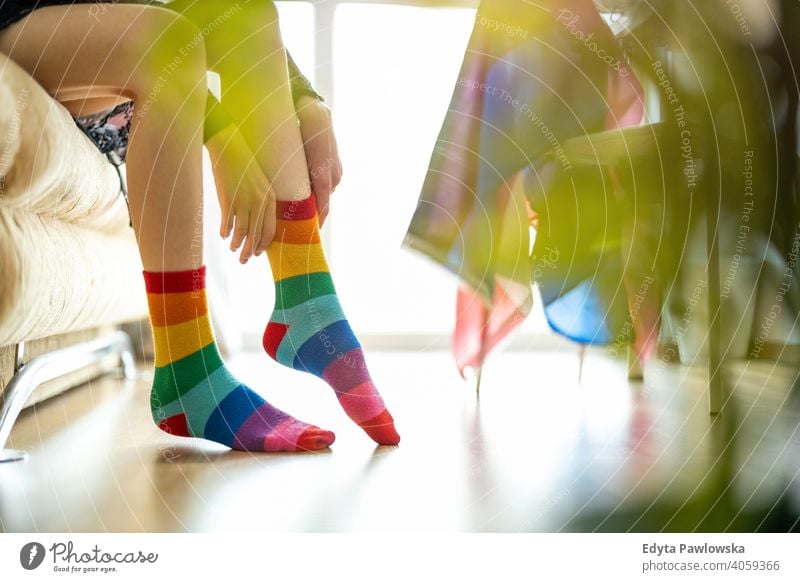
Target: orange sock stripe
{"type": "Point", "coordinates": [172, 308]}
{"type": "Point", "coordinates": [298, 232]}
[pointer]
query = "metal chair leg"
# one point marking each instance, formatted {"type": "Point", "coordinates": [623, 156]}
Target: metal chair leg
{"type": "Point", "coordinates": [715, 371]}
{"type": "Point", "coordinates": [50, 366]}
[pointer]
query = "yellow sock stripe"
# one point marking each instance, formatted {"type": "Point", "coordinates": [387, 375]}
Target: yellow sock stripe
{"type": "Point", "coordinates": [174, 342]}
{"type": "Point", "coordinates": [290, 260]}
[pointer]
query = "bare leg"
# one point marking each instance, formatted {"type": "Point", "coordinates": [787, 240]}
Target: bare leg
{"type": "Point", "coordinates": [91, 105]}
{"type": "Point", "coordinates": [150, 55]}
{"type": "Point", "coordinates": [157, 58]}
{"type": "Point", "coordinates": [246, 49]}
{"type": "Point", "coordinates": [244, 45]}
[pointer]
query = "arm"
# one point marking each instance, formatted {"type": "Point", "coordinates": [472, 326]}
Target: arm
{"type": "Point", "coordinates": [223, 139]}
{"type": "Point", "coordinates": [217, 117]}
{"type": "Point", "coordinates": [316, 126]}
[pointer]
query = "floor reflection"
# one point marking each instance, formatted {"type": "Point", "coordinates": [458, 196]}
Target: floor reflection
{"type": "Point", "coordinates": [542, 450]}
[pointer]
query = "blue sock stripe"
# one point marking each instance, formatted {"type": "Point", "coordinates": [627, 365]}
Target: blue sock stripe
{"type": "Point", "coordinates": [325, 347]}
{"type": "Point", "coordinates": [231, 414]}
{"type": "Point", "coordinates": [305, 321]}
{"type": "Point", "coordinates": [205, 397]}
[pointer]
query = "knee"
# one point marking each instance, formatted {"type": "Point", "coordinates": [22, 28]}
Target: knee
{"type": "Point", "coordinates": [250, 28]}
{"type": "Point", "coordinates": [258, 14]}
{"type": "Point", "coordinates": [243, 25]}
{"type": "Point", "coordinates": [266, 11]}
{"type": "Point", "coordinates": [172, 51]}
{"type": "Point", "coordinates": [262, 16]}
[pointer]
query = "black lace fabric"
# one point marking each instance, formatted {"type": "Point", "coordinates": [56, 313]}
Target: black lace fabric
{"type": "Point", "coordinates": [109, 130]}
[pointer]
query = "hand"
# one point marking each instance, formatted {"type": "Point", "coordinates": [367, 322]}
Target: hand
{"type": "Point", "coordinates": [322, 152]}
{"type": "Point", "coordinates": [245, 195]}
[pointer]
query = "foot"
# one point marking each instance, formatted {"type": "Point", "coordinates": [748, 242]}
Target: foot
{"type": "Point", "coordinates": [309, 331]}
{"type": "Point", "coordinates": [194, 394]}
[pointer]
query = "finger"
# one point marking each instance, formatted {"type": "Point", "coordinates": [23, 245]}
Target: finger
{"type": "Point", "coordinates": [226, 225]}
{"type": "Point", "coordinates": [268, 224]}
{"type": "Point", "coordinates": [322, 205]}
{"type": "Point", "coordinates": [321, 175]}
{"type": "Point", "coordinates": [239, 231]}
{"type": "Point", "coordinates": [253, 236]}
{"type": "Point", "coordinates": [321, 184]}
{"type": "Point", "coordinates": [336, 178]}
{"type": "Point", "coordinates": [338, 170]}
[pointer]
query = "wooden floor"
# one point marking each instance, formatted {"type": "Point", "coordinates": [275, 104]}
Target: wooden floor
{"type": "Point", "coordinates": [541, 451]}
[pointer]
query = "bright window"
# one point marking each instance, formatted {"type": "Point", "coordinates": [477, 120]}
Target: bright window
{"type": "Point", "coordinates": [394, 68]}
{"type": "Point", "coordinates": [393, 71]}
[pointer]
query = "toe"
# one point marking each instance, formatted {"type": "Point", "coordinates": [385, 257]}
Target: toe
{"type": "Point", "coordinates": [315, 439]}
{"type": "Point", "coordinates": [381, 429]}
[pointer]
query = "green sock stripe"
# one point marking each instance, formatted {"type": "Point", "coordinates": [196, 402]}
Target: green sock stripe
{"type": "Point", "coordinates": [204, 399]}
{"type": "Point", "coordinates": [201, 400]}
{"type": "Point", "coordinates": [296, 290]}
{"type": "Point", "coordinates": [305, 321]}
{"type": "Point", "coordinates": [175, 379]}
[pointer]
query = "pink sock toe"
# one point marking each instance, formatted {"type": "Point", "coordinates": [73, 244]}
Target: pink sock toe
{"type": "Point", "coordinates": [381, 429]}
{"type": "Point", "coordinates": [315, 439]}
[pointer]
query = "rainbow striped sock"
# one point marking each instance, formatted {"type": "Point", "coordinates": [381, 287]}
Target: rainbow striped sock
{"type": "Point", "coordinates": [193, 393]}
{"type": "Point", "coordinates": [308, 329]}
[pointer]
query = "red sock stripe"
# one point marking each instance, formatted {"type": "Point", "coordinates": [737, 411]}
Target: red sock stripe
{"type": "Point", "coordinates": [175, 425]}
{"type": "Point", "coordinates": [175, 281]}
{"type": "Point", "coordinates": [273, 336]}
{"type": "Point", "coordinates": [297, 209]}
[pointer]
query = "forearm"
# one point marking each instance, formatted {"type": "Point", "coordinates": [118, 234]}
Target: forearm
{"type": "Point", "coordinates": [217, 117]}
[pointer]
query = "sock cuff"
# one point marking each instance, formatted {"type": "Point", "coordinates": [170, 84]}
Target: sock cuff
{"type": "Point", "coordinates": [297, 209]}
{"type": "Point", "coordinates": [175, 281]}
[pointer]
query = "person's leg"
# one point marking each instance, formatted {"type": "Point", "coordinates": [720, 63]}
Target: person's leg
{"type": "Point", "coordinates": [308, 330]}
{"type": "Point", "coordinates": [245, 47]}
{"type": "Point", "coordinates": [157, 58]}
{"type": "Point", "coordinates": [81, 107]}
{"type": "Point", "coordinates": [74, 56]}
